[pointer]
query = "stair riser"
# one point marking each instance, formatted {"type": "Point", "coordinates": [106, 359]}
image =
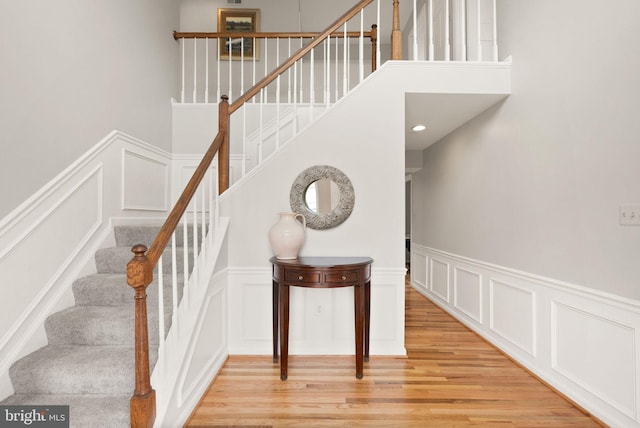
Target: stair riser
{"type": "Point", "coordinates": [101, 326]}
{"type": "Point", "coordinates": [113, 290]}
{"type": "Point", "coordinates": [114, 260]}
{"type": "Point", "coordinates": [128, 236]}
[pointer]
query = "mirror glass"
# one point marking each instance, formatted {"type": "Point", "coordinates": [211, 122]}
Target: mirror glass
{"type": "Point", "coordinates": [322, 196]}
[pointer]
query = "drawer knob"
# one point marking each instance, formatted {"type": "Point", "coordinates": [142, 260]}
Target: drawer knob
{"type": "Point", "coordinates": [300, 277]}
{"type": "Point", "coordinates": [344, 278]}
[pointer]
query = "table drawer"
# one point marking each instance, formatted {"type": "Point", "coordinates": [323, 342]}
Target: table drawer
{"type": "Point", "coordinates": [302, 277]}
{"type": "Point", "coordinates": [348, 276]}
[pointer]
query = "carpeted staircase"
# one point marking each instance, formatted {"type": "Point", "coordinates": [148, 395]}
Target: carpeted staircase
{"type": "Point", "coordinates": [88, 363]}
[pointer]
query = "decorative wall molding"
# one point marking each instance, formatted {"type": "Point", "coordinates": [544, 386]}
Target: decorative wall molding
{"type": "Point", "coordinates": [61, 226]}
{"type": "Point", "coordinates": [318, 316]}
{"type": "Point", "coordinates": [154, 170]}
{"type": "Point", "coordinates": [583, 342]}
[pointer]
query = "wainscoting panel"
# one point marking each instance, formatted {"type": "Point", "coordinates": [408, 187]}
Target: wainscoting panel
{"type": "Point", "coordinates": [467, 293]}
{"type": "Point", "coordinates": [256, 324]}
{"type": "Point", "coordinates": [512, 314]}
{"type": "Point", "coordinates": [419, 268]}
{"type": "Point", "coordinates": [321, 320]}
{"type": "Point", "coordinates": [154, 173]}
{"type": "Point", "coordinates": [583, 342]}
{"type": "Point", "coordinates": [439, 279]}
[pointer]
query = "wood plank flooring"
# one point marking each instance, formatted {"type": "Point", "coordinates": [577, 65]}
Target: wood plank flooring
{"type": "Point", "coordinates": [450, 378]}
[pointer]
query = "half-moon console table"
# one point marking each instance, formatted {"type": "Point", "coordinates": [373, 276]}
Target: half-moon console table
{"type": "Point", "coordinates": [321, 272]}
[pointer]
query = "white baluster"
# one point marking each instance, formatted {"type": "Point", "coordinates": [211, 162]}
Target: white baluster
{"type": "Point", "coordinates": [244, 140]}
{"type": "Point", "coordinates": [160, 304]}
{"type": "Point", "coordinates": [337, 77]}
{"type": "Point", "coordinates": [463, 20]}
{"type": "Point", "coordinates": [194, 272]}
{"type": "Point", "coordinates": [328, 71]}
{"type": "Point", "coordinates": [289, 75]}
{"type": "Point", "coordinates": [230, 69]}
{"type": "Point", "coordinates": [494, 53]}
{"type": "Point", "coordinates": [241, 65]}
{"type": "Point", "coordinates": [206, 70]}
{"type": "Point", "coordinates": [217, 196]}
{"type": "Point", "coordinates": [261, 127]}
{"type": "Point", "coordinates": [312, 92]}
{"type": "Point", "coordinates": [211, 206]}
{"type": "Point", "coordinates": [447, 43]}
{"type": "Point", "coordinates": [203, 223]}
{"type": "Point", "coordinates": [431, 45]}
{"type": "Point", "coordinates": [195, 68]}
{"type": "Point", "coordinates": [301, 100]}
{"type": "Point", "coordinates": [182, 43]}
{"type": "Point", "coordinates": [255, 49]}
{"type": "Point", "coordinates": [174, 283]}
{"type": "Point", "coordinates": [266, 69]}
{"type": "Point", "coordinates": [478, 30]}
{"type": "Point", "coordinates": [278, 112]}
{"type": "Point", "coordinates": [361, 47]}
{"type": "Point", "coordinates": [345, 61]}
{"type": "Point", "coordinates": [415, 31]}
{"type": "Point", "coordinates": [378, 41]}
{"type": "Point", "coordinates": [219, 45]}
{"type": "Point", "coordinates": [185, 258]}
{"type": "Point", "coordinates": [295, 97]}
{"type": "Point", "coordinates": [278, 95]}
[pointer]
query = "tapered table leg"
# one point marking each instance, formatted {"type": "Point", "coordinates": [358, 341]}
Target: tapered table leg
{"type": "Point", "coordinates": [275, 314]}
{"type": "Point", "coordinates": [284, 331]}
{"type": "Point", "coordinates": [359, 299]}
{"type": "Point", "coordinates": [367, 318]}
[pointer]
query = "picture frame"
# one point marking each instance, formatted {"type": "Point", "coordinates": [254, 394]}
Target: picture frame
{"type": "Point", "coordinates": [238, 21]}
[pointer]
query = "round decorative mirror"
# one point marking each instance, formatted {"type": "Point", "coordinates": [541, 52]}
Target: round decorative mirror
{"type": "Point", "coordinates": [323, 195]}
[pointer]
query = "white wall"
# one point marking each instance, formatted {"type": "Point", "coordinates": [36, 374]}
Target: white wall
{"type": "Point", "coordinates": [536, 182]}
{"type": "Point", "coordinates": [342, 138]}
{"type": "Point", "coordinates": [71, 72]}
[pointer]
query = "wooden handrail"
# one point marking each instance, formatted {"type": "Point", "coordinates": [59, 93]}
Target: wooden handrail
{"type": "Point", "coordinates": [295, 57]}
{"type": "Point", "coordinates": [140, 275]}
{"type": "Point", "coordinates": [264, 35]}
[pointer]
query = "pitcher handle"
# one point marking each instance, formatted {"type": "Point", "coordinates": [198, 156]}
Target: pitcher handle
{"type": "Point", "coordinates": [304, 221]}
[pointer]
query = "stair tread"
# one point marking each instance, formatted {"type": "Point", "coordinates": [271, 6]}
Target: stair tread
{"type": "Point", "coordinates": [85, 410]}
{"type": "Point", "coordinates": [111, 289]}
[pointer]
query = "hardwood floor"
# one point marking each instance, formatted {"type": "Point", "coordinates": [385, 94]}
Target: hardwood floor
{"type": "Point", "coordinates": [450, 378]}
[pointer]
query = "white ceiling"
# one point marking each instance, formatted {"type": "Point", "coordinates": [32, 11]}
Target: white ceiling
{"type": "Point", "coordinates": [441, 114]}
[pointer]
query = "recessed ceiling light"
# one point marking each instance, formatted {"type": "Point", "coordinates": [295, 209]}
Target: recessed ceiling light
{"type": "Point", "coordinates": [418, 128]}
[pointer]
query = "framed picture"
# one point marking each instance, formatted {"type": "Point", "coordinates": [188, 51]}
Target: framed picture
{"type": "Point", "coordinates": [238, 21]}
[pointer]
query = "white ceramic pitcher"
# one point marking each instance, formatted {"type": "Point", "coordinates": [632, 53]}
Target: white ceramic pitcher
{"type": "Point", "coordinates": [287, 235]}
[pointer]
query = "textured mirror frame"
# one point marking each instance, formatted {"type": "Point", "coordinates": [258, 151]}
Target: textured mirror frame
{"type": "Point", "coordinates": [345, 204]}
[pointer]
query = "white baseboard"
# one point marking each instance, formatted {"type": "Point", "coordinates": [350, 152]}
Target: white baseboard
{"type": "Point", "coordinates": [583, 342]}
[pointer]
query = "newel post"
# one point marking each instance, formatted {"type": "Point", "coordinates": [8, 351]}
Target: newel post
{"type": "Point", "coordinates": [223, 153]}
{"type": "Point", "coordinates": [396, 34]}
{"type": "Point", "coordinates": [143, 402]}
{"type": "Point", "coordinates": [374, 47]}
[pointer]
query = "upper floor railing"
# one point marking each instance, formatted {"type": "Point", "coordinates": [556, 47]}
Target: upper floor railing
{"type": "Point", "coordinates": [432, 30]}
